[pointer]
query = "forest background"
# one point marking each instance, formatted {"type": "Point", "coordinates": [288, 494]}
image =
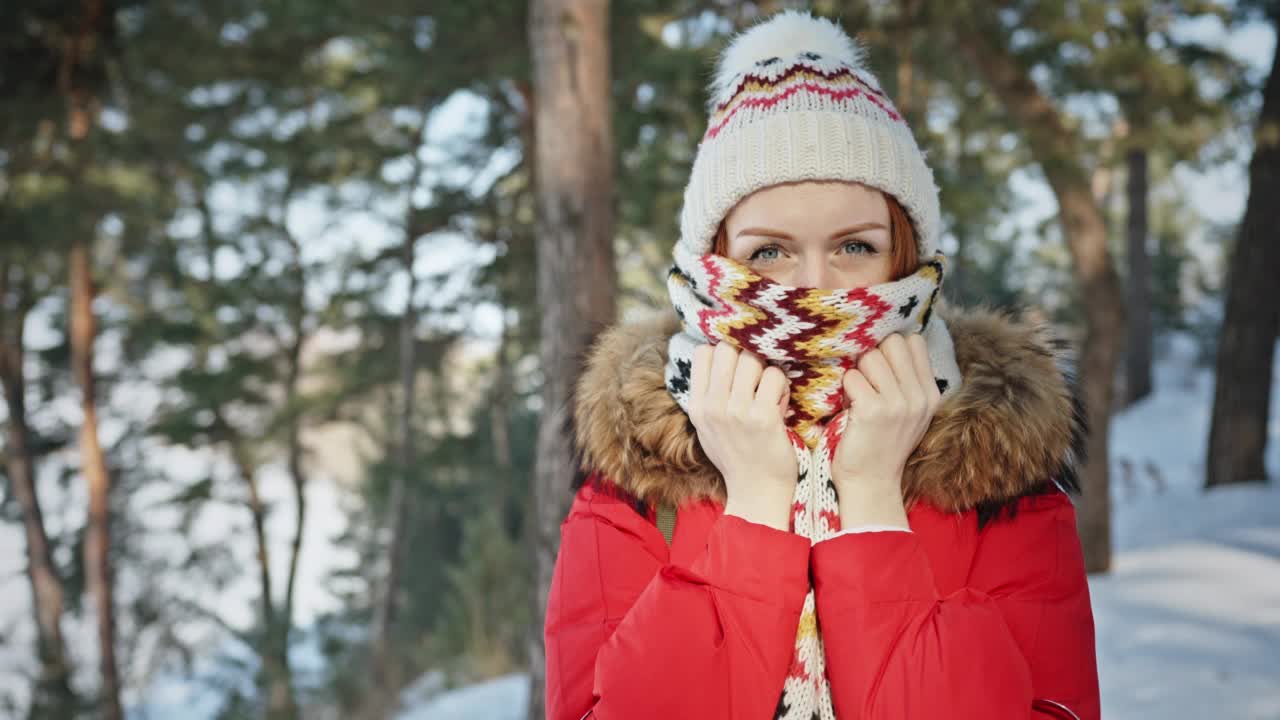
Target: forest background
{"type": "Point", "coordinates": [293, 295]}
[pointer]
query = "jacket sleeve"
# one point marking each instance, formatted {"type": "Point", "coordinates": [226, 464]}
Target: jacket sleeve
{"type": "Point", "coordinates": [629, 636]}
{"type": "Point", "coordinates": [1018, 634]}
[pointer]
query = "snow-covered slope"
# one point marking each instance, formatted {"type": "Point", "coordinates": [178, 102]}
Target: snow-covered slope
{"type": "Point", "coordinates": [1188, 622]}
{"type": "Point", "coordinates": [502, 698]}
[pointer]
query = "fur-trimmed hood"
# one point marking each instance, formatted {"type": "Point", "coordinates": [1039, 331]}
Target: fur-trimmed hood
{"type": "Point", "coordinates": [1013, 424]}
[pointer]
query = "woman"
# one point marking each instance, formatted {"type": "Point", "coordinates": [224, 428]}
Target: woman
{"type": "Point", "coordinates": [813, 492]}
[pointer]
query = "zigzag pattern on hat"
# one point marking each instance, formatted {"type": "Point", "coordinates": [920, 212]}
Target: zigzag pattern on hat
{"type": "Point", "coordinates": [819, 89]}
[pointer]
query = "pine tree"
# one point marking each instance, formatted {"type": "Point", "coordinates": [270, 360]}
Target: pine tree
{"type": "Point", "coordinates": [573, 180]}
{"type": "Point", "coordinates": [53, 695]}
{"type": "Point", "coordinates": [1059, 150]}
{"type": "Point", "coordinates": [1246, 349]}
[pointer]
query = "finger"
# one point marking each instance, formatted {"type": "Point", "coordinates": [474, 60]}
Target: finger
{"type": "Point", "coordinates": [897, 351]}
{"type": "Point", "coordinates": [899, 355]}
{"type": "Point", "coordinates": [724, 358]}
{"type": "Point", "coordinates": [877, 371]}
{"type": "Point", "coordinates": [857, 389]}
{"type": "Point", "coordinates": [746, 378]}
{"type": "Point", "coordinates": [700, 373]}
{"type": "Point", "coordinates": [924, 367]}
{"type": "Point", "coordinates": [772, 389]}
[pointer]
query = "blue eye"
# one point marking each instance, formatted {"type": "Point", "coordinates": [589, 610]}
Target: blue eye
{"type": "Point", "coordinates": [859, 247]}
{"type": "Point", "coordinates": [760, 254]}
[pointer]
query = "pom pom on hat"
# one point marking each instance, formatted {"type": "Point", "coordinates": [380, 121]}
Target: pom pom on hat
{"type": "Point", "coordinates": [779, 38]}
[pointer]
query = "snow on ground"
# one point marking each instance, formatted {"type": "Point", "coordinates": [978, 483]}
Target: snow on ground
{"type": "Point", "coordinates": [1188, 625]}
{"type": "Point", "coordinates": [1188, 622]}
{"type": "Point", "coordinates": [502, 698]}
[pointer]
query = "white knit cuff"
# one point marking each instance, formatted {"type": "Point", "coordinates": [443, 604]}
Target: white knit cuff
{"type": "Point", "coordinates": [868, 529]}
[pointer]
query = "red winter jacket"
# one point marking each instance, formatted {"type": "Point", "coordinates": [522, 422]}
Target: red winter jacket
{"type": "Point", "coordinates": [947, 621]}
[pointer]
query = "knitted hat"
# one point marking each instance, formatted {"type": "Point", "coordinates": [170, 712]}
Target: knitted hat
{"type": "Point", "coordinates": [792, 100]}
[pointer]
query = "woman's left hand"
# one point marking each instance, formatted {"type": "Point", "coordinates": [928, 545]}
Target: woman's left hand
{"type": "Point", "coordinates": [892, 397]}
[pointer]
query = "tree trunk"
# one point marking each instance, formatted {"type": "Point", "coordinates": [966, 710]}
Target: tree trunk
{"type": "Point", "coordinates": [577, 286]}
{"type": "Point", "coordinates": [283, 682]}
{"type": "Point", "coordinates": [70, 79]}
{"type": "Point", "coordinates": [299, 484]}
{"type": "Point", "coordinates": [1057, 150]}
{"type": "Point", "coordinates": [904, 31]}
{"type": "Point", "coordinates": [280, 701]}
{"type": "Point", "coordinates": [273, 650]}
{"type": "Point", "coordinates": [500, 420]}
{"type": "Point", "coordinates": [1138, 289]}
{"type": "Point", "coordinates": [1138, 347]}
{"type": "Point", "coordinates": [52, 696]}
{"type": "Point", "coordinates": [386, 680]}
{"type": "Point", "coordinates": [1242, 389]}
{"type": "Point", "coordinates": [284, 620]}
{"type": "Point", "coordinates": [97, 542]}
{"type": "Point", "coordinates": [1099, 290]}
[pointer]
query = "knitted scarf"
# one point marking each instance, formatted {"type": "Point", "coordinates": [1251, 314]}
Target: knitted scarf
{"type": "Point", "coordinates": [813, 335]}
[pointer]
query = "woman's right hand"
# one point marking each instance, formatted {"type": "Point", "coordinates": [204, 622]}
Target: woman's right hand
{"type": "Point", "coordinates": [738, 407]}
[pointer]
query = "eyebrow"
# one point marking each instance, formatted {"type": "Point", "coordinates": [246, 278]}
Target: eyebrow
{"type": "Point", "coordinates": [768, 232]}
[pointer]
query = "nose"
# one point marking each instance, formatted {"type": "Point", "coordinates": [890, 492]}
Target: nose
{"type": "Point", "coordinates": [816, 272]}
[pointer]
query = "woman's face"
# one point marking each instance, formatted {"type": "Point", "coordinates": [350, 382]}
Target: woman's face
{"type": "Point", "coordinates": [829, 235]}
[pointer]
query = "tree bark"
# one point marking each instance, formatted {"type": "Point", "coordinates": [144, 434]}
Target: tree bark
{"type": "Point", "coordinates": [282, 687]}
{"type": "Point", "coordinates": [81, 115]}
{"type": "Point", "coordinates": [1138, 187]}
{"type": "Point", "coordinates": [385, 679]}
{"type": "Point", "coordinates": [577, 287]}
{"type": "Point", "coordinates": [1242, 389]}
{"type": "Point", "coordinates": [274, 650]}
{"type": "Point", "coordinates": [296, 475]}
{"type": "Point", "coordinates": [53, 696]}
{"type": "Point", "coordinates": [1138, 347]}
{"type": "Point", "coordinates": [97, 542]}
{"type": "Point", "coordinates": [904, 30]}
{"type": "Point", "coordinates": [1057, 151]}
